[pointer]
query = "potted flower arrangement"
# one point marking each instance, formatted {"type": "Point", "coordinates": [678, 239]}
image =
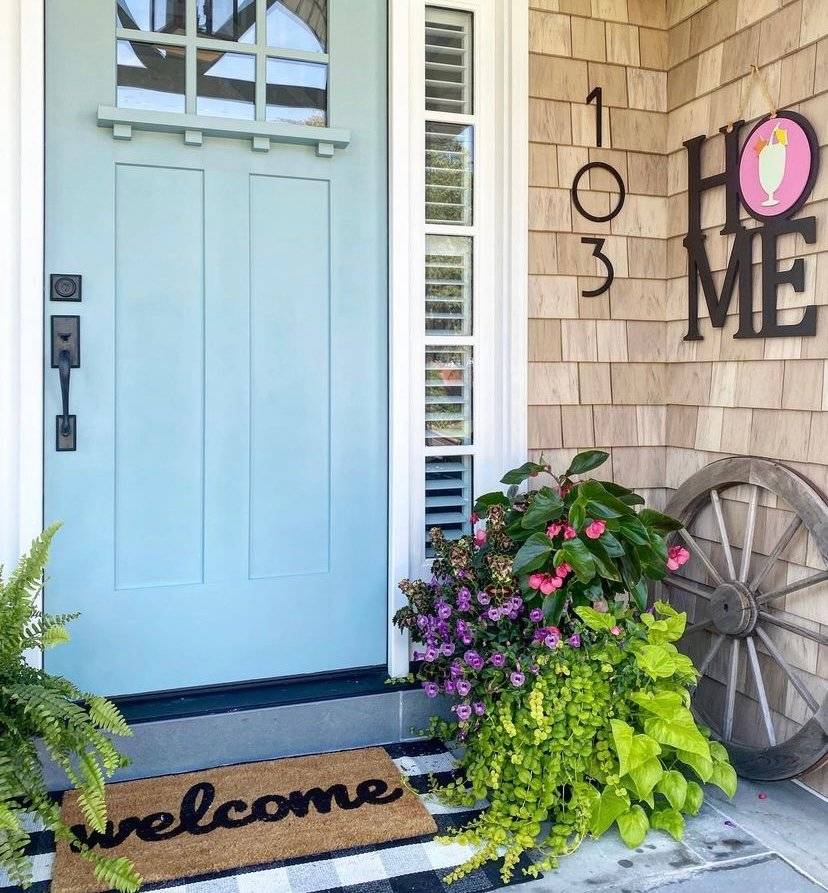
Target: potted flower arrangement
{"type": "Point", "coordinates": [571, 700]}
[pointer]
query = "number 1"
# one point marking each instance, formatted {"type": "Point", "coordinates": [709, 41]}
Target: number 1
{"type": "Point", "coordinates": [596, 94]}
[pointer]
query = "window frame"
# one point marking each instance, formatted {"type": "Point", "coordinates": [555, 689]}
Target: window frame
{"type": "Point", "coordinates": [499, 272]}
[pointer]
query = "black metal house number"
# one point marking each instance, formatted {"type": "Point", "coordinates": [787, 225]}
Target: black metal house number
{"type": "Point", "coordinates": [598, 243]}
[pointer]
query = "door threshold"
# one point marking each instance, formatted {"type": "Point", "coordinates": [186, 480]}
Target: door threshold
{"type": "Point", "coordinates": [232, 697]}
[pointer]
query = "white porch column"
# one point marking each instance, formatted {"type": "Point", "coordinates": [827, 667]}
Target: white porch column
{"type": "Point", "coordinates": [21, 268]}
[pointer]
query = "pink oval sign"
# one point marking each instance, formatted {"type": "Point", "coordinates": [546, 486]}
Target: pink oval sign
{"type": "Point", "coordinates": [776, 165]}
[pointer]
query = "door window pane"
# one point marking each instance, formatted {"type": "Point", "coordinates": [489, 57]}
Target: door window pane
{"type": "Point", "coordinates": [298, 25]}
{"type": "Point", "coordinates": [448, 396]}
{"type": "Point", "coordinates": [448, 178]}
{"type": "Point", "coordinates": [167, 16]}
{"type": "Point", "coordinates": [448, 497]}
{"type": "Point", "coordinates": [150, 76]}
{"type": "Point", "coordinates": [448, 60]}
{"type": "Point", "coordinates": [448, 285]}
{"type": "Point", "coordinates": [297, 92]}
{"type": "Point", "coordinates": [227, 19]}
{"type": "Point", "coordinates": [226, 84]}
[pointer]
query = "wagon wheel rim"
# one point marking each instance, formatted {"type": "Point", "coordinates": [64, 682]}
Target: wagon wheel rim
{"type": "Point", "coordinates": [738, 608]}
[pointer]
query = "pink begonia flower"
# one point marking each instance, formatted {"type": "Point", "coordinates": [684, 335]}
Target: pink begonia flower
{"type": "Point", "coordinates": [676, 557]}
{"type": "Point", "coordinates": [595, 529]}
{"type": "Point", "coordinates": [480, 538]}
{"type": "Point", "coordinates": [569, 533]}
{"type": "Point", "coordinates": [550, 584]}
{"type": "Point", "coordinates": [535, 581]}
{"type": "Point", "coordinates": [562, 570]}
{"type": "Point", "coordinates": [616, 631]}
{"type": "Point", "coordinates": [474, 517]}
{"type": "Point", "coordinates": [554, 529]}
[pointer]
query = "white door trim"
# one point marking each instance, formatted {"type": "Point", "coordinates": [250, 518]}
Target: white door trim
{"type": "Point", "coordinates": [501, 228]}
{"type": "Point", "coordinates": [21, 299]}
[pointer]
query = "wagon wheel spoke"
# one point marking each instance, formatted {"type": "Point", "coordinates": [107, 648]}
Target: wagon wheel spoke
{"type": "Point", "coordinates": [697, 550]}
{"type": "Point", "coordinates": [753, 658]}
{"type": "Point", "coordinates": [730, 695]}
{"type": "Point", "coordinates": [694, 628]}
{"type": "Point", "coordinates": [777, 550]}
{"type": "Point", "coordinates": [794, 628]}
{"type": "Point", "coordinates": [714, 650]}
{"type": "Point", "coordinates": [750, 529]}
{"type": "Point", "coordinates": [690, 586]}
{"type": "Point", "coordinates": [717, 510]}
{"type": "Point", "coordinates": [792, 587]}
{"type": "Point", "coordinates": [786, 668]}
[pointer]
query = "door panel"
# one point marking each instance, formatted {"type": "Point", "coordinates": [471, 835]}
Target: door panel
{"type": "Point", "coordinates": [225, 512]}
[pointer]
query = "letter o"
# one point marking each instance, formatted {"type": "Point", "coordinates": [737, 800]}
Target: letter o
{"type": "Point", "coordinates": [259, 808]}
{"type": "Point", "coordinates": [622, 192]}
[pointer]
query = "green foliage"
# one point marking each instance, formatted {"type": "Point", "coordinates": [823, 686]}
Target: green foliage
{"type": "Point", "coordinates": [74, 726]}
{"type": "Point", "coordinates": [570, 729]}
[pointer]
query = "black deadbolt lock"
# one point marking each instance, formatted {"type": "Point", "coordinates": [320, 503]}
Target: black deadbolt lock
{"type": "Point", "coordinates": [65, 287]}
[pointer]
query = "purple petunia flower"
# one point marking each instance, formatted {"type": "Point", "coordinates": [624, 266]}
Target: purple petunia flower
{"type": "Point", "coordinates": [456, 669]}
{"type": "Point", "coordinates": [471, 657]}
{"type": "Point", "coordinates": [464, 711]}
{"type": "Point", "coordinates": [493, 613]}
{"type": "Point", "coordinates": [447, 648]}
{"type": "Point", "coordinates": [479, 708]}
{"type": "Point", "coordinates": [551, 640]}
{"type": "Point", "coordinates": [422, 621]}
{"type": "Point", "coordinates": [517, 678]}
{"type": "Point", "coordinates": [431, 689]}
{"type": "Point", "coordinates": [463, 687]}
{"type": "Point", "coordinates": [449, 687]}
{"type": "Point", "coordinates": [483, 598]}
{"type": "Point", "coordinates": [498, 659]}
{"type": "Point", "coordinates": [443, 610]}
{"type": "Point", "coordinates": [534, 669]}
{"type": "Point", "coordinates": [536, 615]}
{"type": "Point", "coordinates": [431, 654]}
{"type": "Point", "coordinates": [574, 640]}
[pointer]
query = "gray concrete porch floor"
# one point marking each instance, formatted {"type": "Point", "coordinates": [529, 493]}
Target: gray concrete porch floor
{"type": "Point", "coordinates": [775, 844]}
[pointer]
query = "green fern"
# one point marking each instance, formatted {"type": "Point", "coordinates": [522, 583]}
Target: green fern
{"type": "Point", "coordinates": [74, 726]}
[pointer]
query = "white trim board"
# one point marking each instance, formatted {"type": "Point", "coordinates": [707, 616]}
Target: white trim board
{"type": "Point", "coordinates": [21, 299]}
{"type": "Point", "coordinates": [500, 269]}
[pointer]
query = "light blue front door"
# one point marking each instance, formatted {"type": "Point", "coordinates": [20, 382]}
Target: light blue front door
{"type": "Point", "coordinates": [225, 510]}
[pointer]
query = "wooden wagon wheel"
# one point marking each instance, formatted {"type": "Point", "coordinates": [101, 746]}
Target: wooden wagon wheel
{"type": "Point", "coordinates": [744, 629]}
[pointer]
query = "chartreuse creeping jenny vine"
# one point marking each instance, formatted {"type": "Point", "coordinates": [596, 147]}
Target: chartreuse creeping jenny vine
{"type": "Point", "coordinates": [572, 702]}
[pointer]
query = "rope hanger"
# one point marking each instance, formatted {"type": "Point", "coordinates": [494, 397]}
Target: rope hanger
{"type": "Point", "coordinates": [755, 75]}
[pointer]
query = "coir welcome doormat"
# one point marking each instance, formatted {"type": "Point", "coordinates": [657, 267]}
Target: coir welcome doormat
{"type": "Point", "coordinates": [181, 826]}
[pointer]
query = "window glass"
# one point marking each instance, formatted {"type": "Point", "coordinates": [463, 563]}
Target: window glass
{"type": "Point", "coordinates": [448, 60]}
{"type": "Point", "coordinates": [448, 285]}
{"type": "Point", "coordinates": [298, 25]}
{"type": "Point", "coordinates": [226, 84]}
{"type": "Point", "coordinates": [448, 396]}
{"type": "Point", "coordinates": [166, 16]}
{"type": "Point", "coordinates": [227, 19]}
{"type": "Point", "coordinates": [448, 174]}
{"type": "Point", "coordinates": [297, 92]}
{"type": "Point", "coordinates": [150, 76]}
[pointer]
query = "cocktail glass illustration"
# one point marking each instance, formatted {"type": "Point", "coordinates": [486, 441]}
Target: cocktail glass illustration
{"type": "Point", "coordinates": [772, 165]}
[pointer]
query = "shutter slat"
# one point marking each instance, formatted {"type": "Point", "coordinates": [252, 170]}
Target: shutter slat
{"type": "Point", "coordinates": [448, 496]}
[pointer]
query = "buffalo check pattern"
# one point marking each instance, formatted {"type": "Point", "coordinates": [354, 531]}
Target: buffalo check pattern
{"type": "Point", "coordinates": [413, 865]}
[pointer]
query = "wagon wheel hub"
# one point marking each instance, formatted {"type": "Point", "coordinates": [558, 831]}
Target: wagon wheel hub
{"type": "Point", "coordinates": [733, 609]}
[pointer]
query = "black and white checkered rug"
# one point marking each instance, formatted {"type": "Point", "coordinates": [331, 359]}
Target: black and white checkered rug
{"type": "Point", "coordinates": [414, 865]}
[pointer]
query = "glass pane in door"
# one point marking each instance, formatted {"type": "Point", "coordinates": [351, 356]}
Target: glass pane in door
{"type": "Point", "coordinates": [150, 76]}
{"type": "Point", "coordinates": [165, 16]}
{"type": "Point", "coordinates": [227, 19]}
{"type": "Point", "coordinates": [226, 85]}
{"type": "Point", "coordinates": [298, 25]}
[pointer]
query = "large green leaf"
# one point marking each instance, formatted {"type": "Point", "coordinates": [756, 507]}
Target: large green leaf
{"type": "Point", "coordinates": [595, 619]}
{"type": "Point", "coordinates": [718, 752]}
{"type": "Point", "coordinates": [639, 595]}
{"type": "Point", "coordinates": [519, 475]}
{"type": "Point", "coordinates": [632, 530]}
{"type": "Point", "coordinates": [553, 606]}
{"type": "Point", "coordinates": [596, 491]}
{"type": "Point", "coordinates": [546, 506]}
{"type": "Point", "coordinates": [633, 826]}
{"type": "Point", "coordinates": [586, 461]}
{"type": "Point", "coordinates": [656, 661]}
{"type": "Point", "coordinates": [622, 737]}
{"type": "Point", "coordinates": [607, 810]}
{"type": "Point", "coordinates": [606, 566]}
{"type": "Point", "coordinates": [646, 776]}
{"type": "Point", "coordinates": [578, 557]}
{"type": "Point", "coordinates": [669, 820]}
{"type": "Point", "coordinates": [628, 497]}
{"type": "Point", "coordinates": [612, 545]}
{"type": "Point", "coordinates": [665, 704]}
{"type": "Point", "coordinates": [681, 734]}
{"type": "Point", "coordinates": [674, 787]}
{"type": "Point", "coordinates": [701, 764]}
{"type": "Point", "coordinates": [662, 523]}
{"type": "Point", "coordinates": [487, 500]}
{"type": "Point", "coordinates": [694, 799]}
{"type": "Point", "coordinates": [724, 777]}
{"type": "Point", "coordinates": [533, 554]}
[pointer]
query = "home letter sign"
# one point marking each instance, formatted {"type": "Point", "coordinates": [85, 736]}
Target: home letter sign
{"type": "Point", "coordinates": [772, 177]}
